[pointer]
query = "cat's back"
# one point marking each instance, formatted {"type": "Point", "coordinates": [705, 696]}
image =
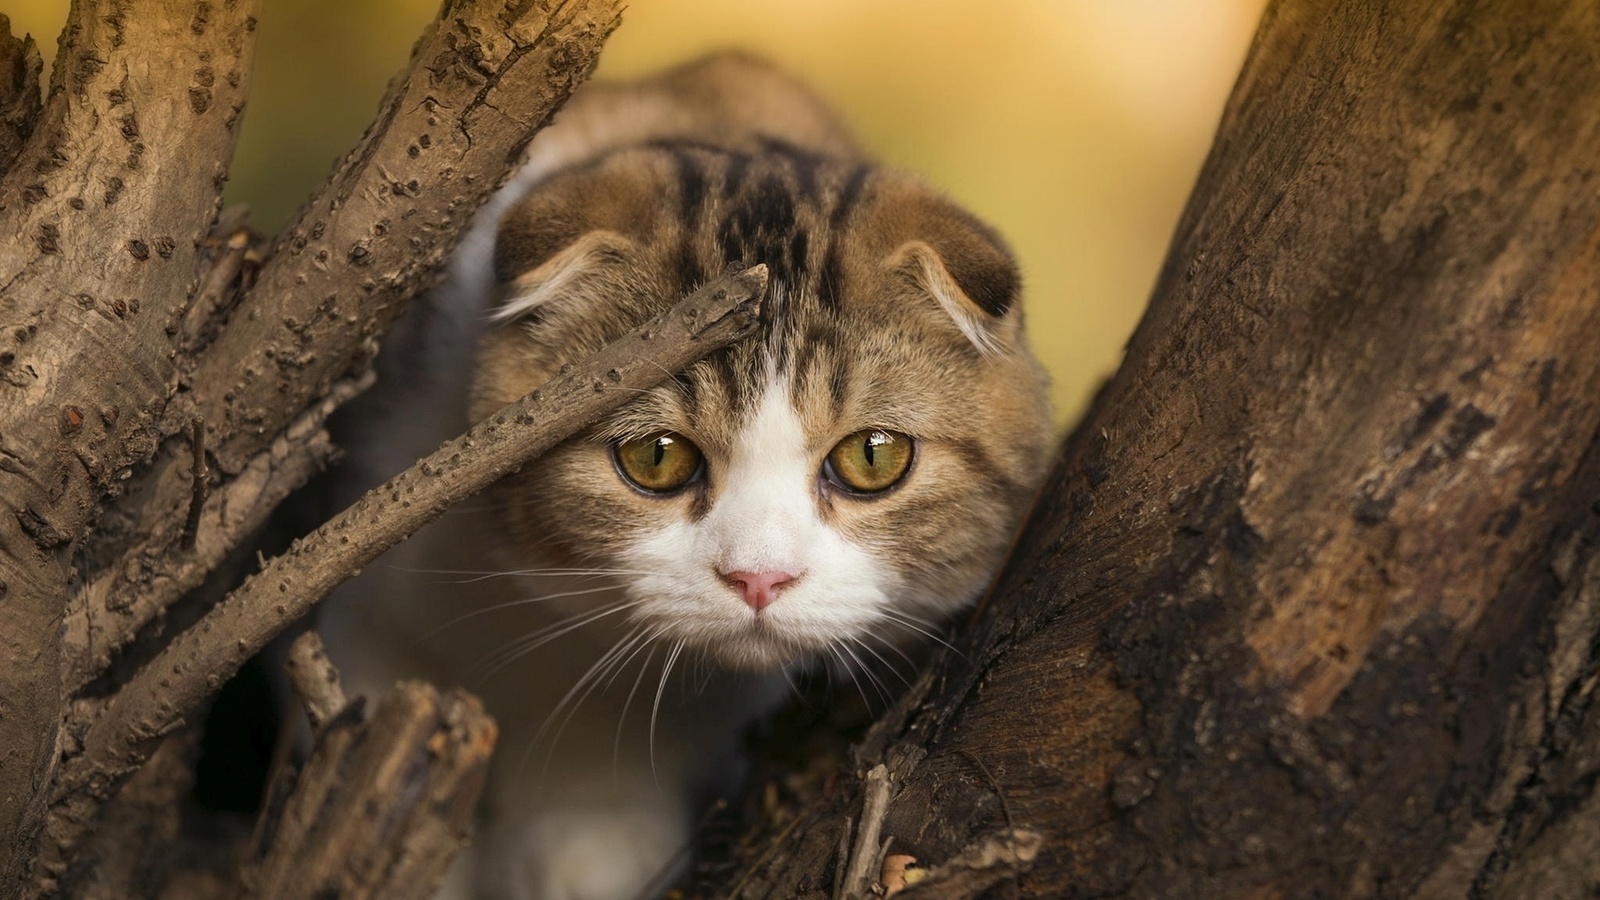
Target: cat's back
{"type": "Point", "coordinates": [729, 100]}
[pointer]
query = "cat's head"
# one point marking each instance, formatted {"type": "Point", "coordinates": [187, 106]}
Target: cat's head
{"type": "Point", "coordinates": [854, 472]}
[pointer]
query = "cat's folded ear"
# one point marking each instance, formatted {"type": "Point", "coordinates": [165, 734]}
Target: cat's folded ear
{"type": "Point", "coordinates": [563, 273]}
{"type": "Point", "coordinates": [951, 257]}
{"type": "Point", "coordinates": [568, 236]}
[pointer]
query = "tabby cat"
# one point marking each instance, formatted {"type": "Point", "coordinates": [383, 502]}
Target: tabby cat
{"type": "Point", "coordinates": [827, 492]}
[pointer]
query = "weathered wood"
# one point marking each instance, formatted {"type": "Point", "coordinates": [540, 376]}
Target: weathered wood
{"type": "Point", "coordinates": [382, 806]}
{"type": "Point", "coordinates": [1308, 607]}
{"type": "Point", "coordinates": [101, 212]}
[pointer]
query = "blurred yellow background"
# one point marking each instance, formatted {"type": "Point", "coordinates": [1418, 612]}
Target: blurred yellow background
{"type": "Point", "coordinates": [1074, 126]}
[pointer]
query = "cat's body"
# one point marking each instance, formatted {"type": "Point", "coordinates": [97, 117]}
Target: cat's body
{"type": "Point", "coordinates": [824, 491]}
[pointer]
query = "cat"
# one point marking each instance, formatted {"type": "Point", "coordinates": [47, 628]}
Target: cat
{"type": "Point", "coordinates": [830, 490]}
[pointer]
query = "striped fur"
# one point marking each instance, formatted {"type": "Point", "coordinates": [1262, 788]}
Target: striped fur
{"type": "Point", "coordinates": [890, 307]}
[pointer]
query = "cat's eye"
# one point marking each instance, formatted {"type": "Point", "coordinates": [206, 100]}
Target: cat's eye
{"type": "Point", "coordinates": [869, 461]}
{"type": "Point", "coordinates": [659, 464]}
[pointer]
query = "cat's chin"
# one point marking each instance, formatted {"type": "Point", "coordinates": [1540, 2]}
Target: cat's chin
{"type": "Point", "coordinates": [756, 648]}
{"type": "Point", "coordinates": [755, 654]}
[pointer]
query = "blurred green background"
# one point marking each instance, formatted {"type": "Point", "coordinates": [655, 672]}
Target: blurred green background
{"type": "Point", "coordinates": [1074, 126]}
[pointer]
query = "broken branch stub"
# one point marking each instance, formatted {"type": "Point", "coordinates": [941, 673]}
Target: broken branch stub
{"type": "Point", "coordinates": [382, 806]}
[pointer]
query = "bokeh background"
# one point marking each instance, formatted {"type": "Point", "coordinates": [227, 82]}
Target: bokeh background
{"type": "Point", "coordinates": [1074, 126]}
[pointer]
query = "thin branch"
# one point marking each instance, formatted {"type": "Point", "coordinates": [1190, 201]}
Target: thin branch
{"type": "Point", "coordinates": [192, 667]}
{"type": "Point", "coordinates": [220, 286]}
{"type": "Point", "coordinates": [866, 860]}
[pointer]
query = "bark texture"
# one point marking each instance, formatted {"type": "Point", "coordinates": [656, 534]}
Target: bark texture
{"type": "Point", "coordinates": [1310, 605]}
{"type": "Point", "coordinates": [383, 804]}
{"type": "Point", "coordinates": [104, 208]}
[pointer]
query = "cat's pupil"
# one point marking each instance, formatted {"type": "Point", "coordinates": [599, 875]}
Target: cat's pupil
{"type": "Point", "coordinates": [661, 450]}
{"type": "Point", "coordinates": [869, 448]}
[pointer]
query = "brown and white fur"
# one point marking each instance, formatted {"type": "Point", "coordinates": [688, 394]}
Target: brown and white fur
{"type": "Point", "coordinates": [889, 308]}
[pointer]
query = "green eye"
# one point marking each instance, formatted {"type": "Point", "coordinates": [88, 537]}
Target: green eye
{"type": "Point", "coordinates": [659, 464]}
{"type": "Point", "coordinates": [869, 461]}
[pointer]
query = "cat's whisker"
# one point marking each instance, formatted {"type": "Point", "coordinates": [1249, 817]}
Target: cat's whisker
{"type": "Point", "coordinates": [530, 642]}
{"type": "Point", "coordinates": [788, 679]}
{"type": "Point", "coordinates": [654, 633]}
{"type": "Point", "coordinates": [473, 576]}
{"type": "Point", "coordinates": [920, 626]}
{"type": "Point", "coordinates": [880, 658]}
{"type": "Point", "coordinates": [655, 709]}
{"type": "Point", "coordinates": [704, 669]}
{"type": "Point", "coordinates": [894, 647]}
{"type": "Point", "coordinates": [834, 649]}
{"type": "Point", "coordinates": [524, 601]}
{"type": "Point", "coordinates": [627, 703]}
{"type": "Point", "coordinates": [590, 680]}
{"type": "Point", "coordinates": [872, 678]}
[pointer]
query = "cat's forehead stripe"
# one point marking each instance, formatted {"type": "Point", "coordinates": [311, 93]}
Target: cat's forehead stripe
{"type": "Point", "coordinates": [691, 183]}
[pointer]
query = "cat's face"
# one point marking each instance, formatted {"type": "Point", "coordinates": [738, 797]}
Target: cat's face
{"type": "Point", "coordinates": [851, 474]}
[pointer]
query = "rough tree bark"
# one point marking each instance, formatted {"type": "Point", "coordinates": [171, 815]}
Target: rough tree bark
{"type": "Point", "coordinates": [1310, 606]}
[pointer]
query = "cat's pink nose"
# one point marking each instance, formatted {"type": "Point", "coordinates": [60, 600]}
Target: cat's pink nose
{"type": "Point", "coordinates": [759, 588]}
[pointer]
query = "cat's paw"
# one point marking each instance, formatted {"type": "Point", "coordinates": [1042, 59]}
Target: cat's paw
{"type": "Point", "coordinates": [587, 854]}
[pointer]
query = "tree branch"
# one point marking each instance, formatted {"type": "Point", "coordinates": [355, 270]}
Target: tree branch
{"type": "Point", "coordinates": [481, 81]}
{"type": "Point", "coordinates": [171, 686]}
{"type": "Point", "coordinates": [315, 680]}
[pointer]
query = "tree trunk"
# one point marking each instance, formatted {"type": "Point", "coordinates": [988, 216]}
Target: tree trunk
{"type": "Point", "coordinates": [1310, 605]}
